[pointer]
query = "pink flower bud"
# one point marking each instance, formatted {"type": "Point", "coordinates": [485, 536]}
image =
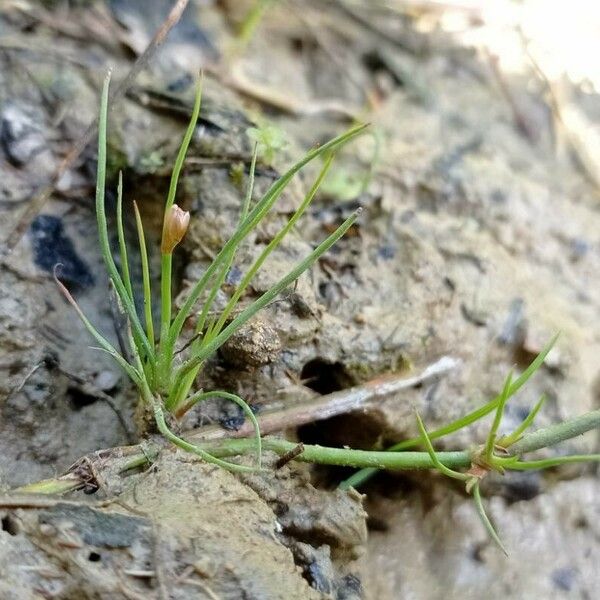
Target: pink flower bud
{"type": "Point", "coordinates": [174, 227]}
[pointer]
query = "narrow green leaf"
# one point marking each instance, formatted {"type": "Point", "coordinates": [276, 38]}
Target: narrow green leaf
{"type": "Point", "coordinates": [113, 272]}
{"type": "Point", "coordinates": [185, 144]}
{"type": "Point", "coordinates": [252, 220]}
{"type": "Point", "coordinates": [183, 386]}
{"type": "Point", "coordinates": [273, 244]}
{"type": "Point", "coordinates": [166, 349]}
{"type": "Point", "coordinates": [491, 438]}
{"type": "Point", "coordinates": [484, 518]}
{"type": "Point", "coordinates": [121, 236]}
{"type": "Point", "coordinates": [145, 274]}
{"type": "Point", "coordinates": [535, 465]}
{"type": "Point", "coordinates": [201, 396]}
{"type": "Point", "coordinates": [185, 445]}
{"type": "Point", "coordinates": [362, 476]}
{"type": "Point", "coordinates": [229, 259]}
{"type": "Point", "coordinates": [104, 343]}
{"type": "Point", "coordinates": [516, 435]}
{"type": "Point", "coordinates": [269, 295]}
{"type": "Point", "coordinates": [436, 461]}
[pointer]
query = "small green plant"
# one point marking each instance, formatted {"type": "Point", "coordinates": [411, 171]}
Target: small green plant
{"type": "Point", "coordinates": [361, 477]}
{"type": "Point", "coordinates": [347, 184]}
{"type": "Point", "coordinates": [495, 455]}
{"type": "Point", "coordinates": [165, 367]}
{"type": "Point", "coordinates": [269, 139]}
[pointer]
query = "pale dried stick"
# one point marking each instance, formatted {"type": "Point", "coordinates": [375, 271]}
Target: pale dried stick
{"type": "Point", "coordinates": [356, 398]}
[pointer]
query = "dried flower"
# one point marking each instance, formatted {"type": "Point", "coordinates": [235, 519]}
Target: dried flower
{"type": "Point", "coordinates": [174, 228]}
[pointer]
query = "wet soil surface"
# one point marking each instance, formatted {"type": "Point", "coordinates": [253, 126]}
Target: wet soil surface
{"type": "Point", "coordinates": [476, 241]}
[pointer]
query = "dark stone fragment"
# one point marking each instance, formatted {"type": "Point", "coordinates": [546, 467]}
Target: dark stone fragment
{"type": "Point", "coordinates": [387, 252]}
{"type": "Point", "coordinates": [235, 417]}
{"type": "Point", "coordinates": [51, 246]}
{"type": "Point", "coordinates": [319, 580]}
{"type": "Point", "coordinates": [564, 578]}
{"type": "Point", "coordinates": [97, 528]}
{"type": "Point", "coordinates": [20, 137]}
{"type": "Point", "coordinates": [349, 588]}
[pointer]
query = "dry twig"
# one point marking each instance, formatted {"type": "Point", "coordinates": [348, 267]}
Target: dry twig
{"type": "Point", "coordinates": [356, 398]}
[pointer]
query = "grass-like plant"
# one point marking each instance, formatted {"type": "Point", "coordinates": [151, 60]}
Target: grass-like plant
{"type": "Point", "coordinates": [165, 368]}
{"type": "Point", "coordinates": [496, 455]}
{"type": "Point", "coordinates": [361, 477]}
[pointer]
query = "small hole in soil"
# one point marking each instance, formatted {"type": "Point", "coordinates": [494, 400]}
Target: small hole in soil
{"type": "Point", "coordinates": [297, 44]}
{"type": "Point", "coordinates": [354, 430]}
{"type": "Point", "coordinates": [94, 557]}
{"type": "Point", "coordinates": [79, 399]}
{"type": "Point", "coordinates": [325, 377]}
{"type": "Point", "coordinates": [477, 552]}
{"type": "Point", "coordinates": [376, 64]}
{"type": "Point", "coordinates": [14, 369]}
{"type": "Point", "coordinates": [10, 525]}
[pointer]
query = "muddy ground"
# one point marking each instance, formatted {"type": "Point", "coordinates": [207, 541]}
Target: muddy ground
{"type": "Point", "coordinates": [479, 240]}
